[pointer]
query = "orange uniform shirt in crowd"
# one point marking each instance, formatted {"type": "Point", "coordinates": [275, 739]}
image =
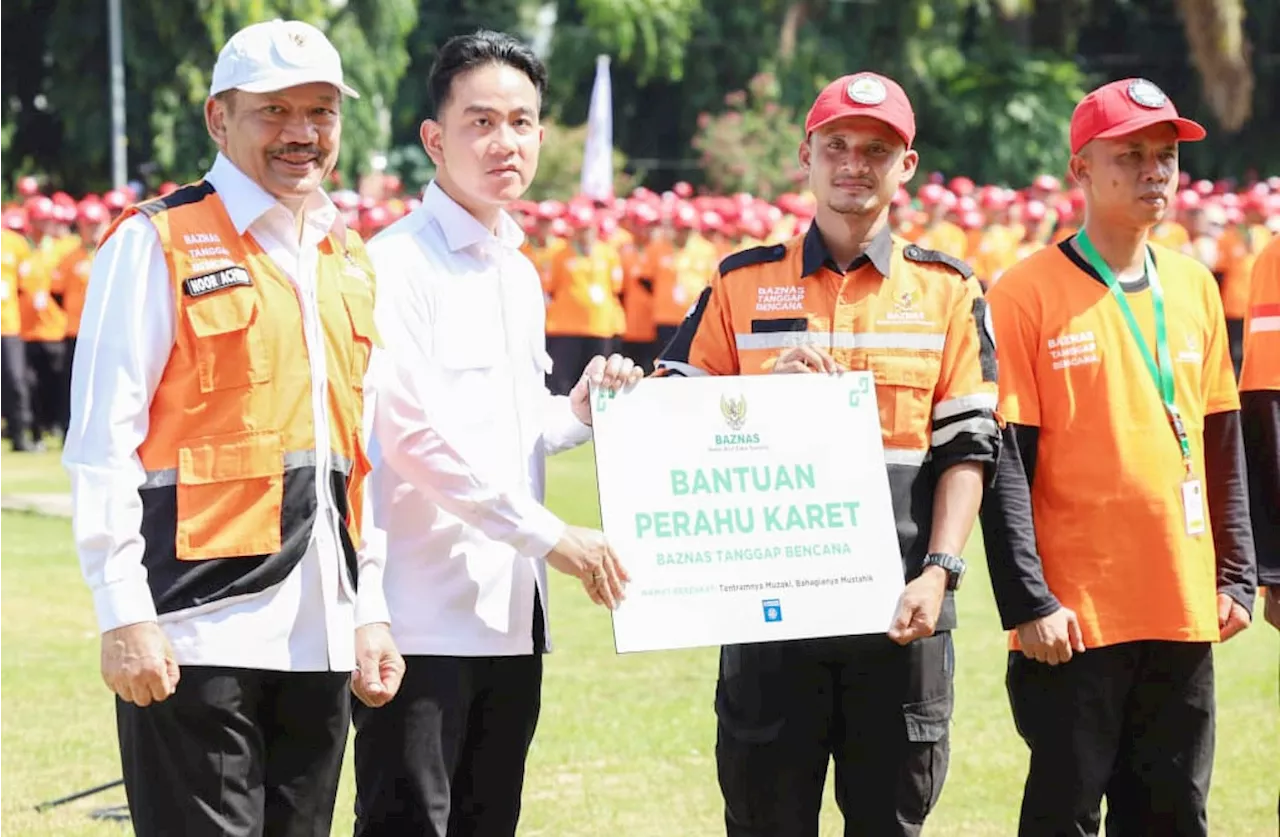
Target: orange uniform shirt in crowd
{"type": "Point", "coordinates": [1237, 249]}
{"type": "Point", "coordinates": [681, 276]}
{"type": "Point", "coordinates": [71, 276]}
{"type": "Point", "coordinates": [1262, 325]}
{"type": "Point", "coordinates": [584, 290]}
{"type": "Point", "coordinates": [637, 293]}
{"type": "Point", "coordinates": [14, 249]}
{"type": "Point", "coordinates": [945, 237]}
{"type": "Point", "coordinates": [43, 319]}
{"type": "Point", "coordinates": [1170, 234]}
{"type": "Point", "coordinates": [1107, 496]}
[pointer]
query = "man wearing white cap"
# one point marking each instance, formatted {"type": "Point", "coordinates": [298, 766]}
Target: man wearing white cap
{"type": "Point", "coordinates": [217, 463]}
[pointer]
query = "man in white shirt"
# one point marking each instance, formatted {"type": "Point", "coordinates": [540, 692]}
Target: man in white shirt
{"type": "Point", "coordinates": [463, 422]}
{"type": "Point", "coordinates": [216, 461]}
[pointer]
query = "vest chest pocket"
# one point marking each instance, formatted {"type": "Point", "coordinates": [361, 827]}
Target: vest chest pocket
{"type": "Point", "coordinates": [359, 305]}
{"type": "Point", "coordinates": [904, 394]}
{"type": "Point", "coordinates": [229, 346]}
{"type": "Point", "coordinates": [230, 494]}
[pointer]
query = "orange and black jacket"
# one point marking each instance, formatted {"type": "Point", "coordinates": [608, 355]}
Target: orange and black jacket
{"type": "Point", "coordinates": [230, 501]}
{"type": "Point", "coordinates": [915, 318]}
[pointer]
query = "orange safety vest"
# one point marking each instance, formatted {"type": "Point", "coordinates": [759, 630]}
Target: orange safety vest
{"type": "Point", "coordinates": [13, 249]}
{"type": "Point", "coordinates": [681, 274]}
{"type": "Point", "coordinates": [229, 501]}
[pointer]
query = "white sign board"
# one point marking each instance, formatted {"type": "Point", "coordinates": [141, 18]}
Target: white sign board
{"type": "Point", "coordinates": [747, 509]}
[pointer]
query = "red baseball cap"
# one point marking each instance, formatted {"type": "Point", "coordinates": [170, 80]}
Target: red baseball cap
{"type": "Point", "coordinates": [1123, 107]}
{"type": "Point", "coordinates": [864, 94]}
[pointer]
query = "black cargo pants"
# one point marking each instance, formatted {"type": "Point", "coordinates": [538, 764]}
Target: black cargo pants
{"type": "Point", "coordinates": [881, 710]}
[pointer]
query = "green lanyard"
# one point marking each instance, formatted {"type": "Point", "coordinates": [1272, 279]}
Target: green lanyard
{"type": "Point", "coordinates": [1160, 366]}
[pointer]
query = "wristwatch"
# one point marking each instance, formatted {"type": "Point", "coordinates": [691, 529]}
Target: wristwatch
{"type": "Point", "coordinates": [953, 564]}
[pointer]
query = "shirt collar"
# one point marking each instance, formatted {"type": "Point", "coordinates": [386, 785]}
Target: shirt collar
{"type": "Point", "coordinates": [461, 229]}
{"type": "Point", "coordinates": [815, 254]}
{"type": "Point", "coordinates": [246, 201]}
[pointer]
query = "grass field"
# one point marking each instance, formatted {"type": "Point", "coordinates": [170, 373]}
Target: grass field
{"type": "Point", "coordinates": [626, 744]}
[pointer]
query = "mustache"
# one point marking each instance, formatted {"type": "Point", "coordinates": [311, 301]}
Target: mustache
{"type": "Point", "coordinates": [296, 149]}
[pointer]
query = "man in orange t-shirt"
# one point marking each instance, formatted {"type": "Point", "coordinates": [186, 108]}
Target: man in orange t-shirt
{"type": "Point", "coordinates": [584, 316]}
{"type": "Point", "coordinates": [1129, 554]}
{"type": "Point", "coordinates": [16, 398]}
{"type": "Point", "coordinates": [640, 336]}
{"type": "Point", "coordinates": [71, 275]}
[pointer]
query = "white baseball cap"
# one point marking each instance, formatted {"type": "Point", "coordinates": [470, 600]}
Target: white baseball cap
{"type": "Point", "coordinates": [271, 56]}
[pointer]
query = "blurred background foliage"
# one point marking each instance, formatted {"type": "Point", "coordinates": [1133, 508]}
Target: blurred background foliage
{"type": "Point", "coordinates": [709, 91]}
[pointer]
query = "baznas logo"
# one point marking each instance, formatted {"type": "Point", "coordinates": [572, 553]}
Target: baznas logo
{"type": "Point", "coordinates": [734, 411]}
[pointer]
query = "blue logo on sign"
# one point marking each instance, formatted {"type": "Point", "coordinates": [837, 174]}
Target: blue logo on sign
{"type": "Point", "coordinates": [772, 610]}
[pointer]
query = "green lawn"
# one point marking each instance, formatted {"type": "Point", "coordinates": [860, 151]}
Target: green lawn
{"type": "Point", "coordinates": [626, 744]}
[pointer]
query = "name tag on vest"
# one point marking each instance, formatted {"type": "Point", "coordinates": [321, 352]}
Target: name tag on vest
{"type": "Point", "coordinates": [216, 281]}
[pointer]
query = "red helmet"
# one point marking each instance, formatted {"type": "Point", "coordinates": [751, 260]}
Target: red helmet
{"type": "Point", "coordinates": [115, 200]}
{"type": "Point", "coordinates": [28, 186]}
{"type": "Point", "coordinates": [932, 194]}
{"type": "Point", "coordinates": [711, 221]}
{"type": "Point", "coordinates": [685, 217]}
{"type": "Point", "coordinates": [581, 216]}
{"type": "Point", "coordinates": [63, 199]}
{"type": "Point", "coordinates": [550, 210]}
{"type": "Point", "coordinates": [560, 228]}
{"type": "Point", "coordinates": [375, 217]}
{"type": "Point", "coordinates": [1203, 187]}
{"type": "Point", "coordinates": [962, 186]}
{"type": "Point", "coordinates": [901, 197]}
{"type": "Point", "coordinates": [39, 208]}
{"type": "Point", "coordinates": [606, 225]}
{"type": "Point", "coordinates": [93, 212]}
{"type": "Point", "coordinates": [14, 219]}
{"type": "Point", "coordinates": [1188, 199]}
{"type": "Point", "coordinates": [1046, 183]}
{"type": "Point", "coordinates": [965, 204]}
{"type": "Point", "coordinates": [683, 190]}
{"type": "Point", "coordinates": [1034, 211]}
{"type": "Point", "coordinates": [972, 220]}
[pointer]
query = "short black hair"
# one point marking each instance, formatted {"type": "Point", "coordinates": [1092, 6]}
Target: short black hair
{"type": "Point", "coordinates": [463, 53]}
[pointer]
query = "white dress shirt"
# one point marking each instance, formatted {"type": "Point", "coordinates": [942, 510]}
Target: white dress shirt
{"type": "Point", "coordinates": [463, 423]}
{"type": "Point", "coordinates": [306, 622]}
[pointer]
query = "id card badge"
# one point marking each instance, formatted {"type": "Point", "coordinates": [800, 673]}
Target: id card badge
{"type": "Point", "coordinates": [1193, 506]}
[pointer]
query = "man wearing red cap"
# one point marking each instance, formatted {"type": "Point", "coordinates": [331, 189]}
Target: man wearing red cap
{"type": "Point", "coordinates": [1118, 533]}
{"type": "Point", "coordinates": [848, 294]}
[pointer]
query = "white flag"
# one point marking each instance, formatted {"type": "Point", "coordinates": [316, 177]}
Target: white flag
{"type": "Point", "coordinates": [597, 159]}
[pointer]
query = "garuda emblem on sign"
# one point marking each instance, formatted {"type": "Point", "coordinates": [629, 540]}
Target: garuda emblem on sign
{"type": "Point", "coordinates": [734, 410]}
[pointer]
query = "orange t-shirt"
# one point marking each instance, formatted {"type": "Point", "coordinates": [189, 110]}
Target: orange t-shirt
{"type": "Point", "coordinates": [584, 290]}
{"type": "Point", "coordinates": [682, 273]}
{"type": "Point", "coordinates": [945, 237]}
{"type": "Point", "coordinates": [43, 319]}
{"type": "Point", "coordinates": [71, 276]}
{"type": "Point", "coordinates": [14, 249]}
{"type": "Point", "coordinates": [637, 293]}
{"type": "Point", "coordinates": [1107, 491]}
{"type": "Point", "coordinates": [1261, 369]}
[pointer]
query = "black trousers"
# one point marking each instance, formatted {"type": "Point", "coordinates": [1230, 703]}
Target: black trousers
{"type": "Point", "coordinates": [1133, 722]}
{"type": "Point", "coordinates": [570, 355]}
{"type": "Point", "coordinates": [14, 390]}
{"type": "Point", "coordinates": [1235, 344]}
{"type": "Point", "coordinates": [46, 360]}
{"type": "Point", "coordinates": [445, 758]}
{"type": "Point", "coordinates": [881, 710]}
{"type": "Point", "coordinates": [236, 752]}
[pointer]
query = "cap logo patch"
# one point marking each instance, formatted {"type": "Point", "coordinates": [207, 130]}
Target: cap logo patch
{"type": "Point", "coordinates": [1147, 94]}
{"type": "Point", "coordinates": [867, 90]}
{"type": "Point", "coordinates": [292, 49]}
